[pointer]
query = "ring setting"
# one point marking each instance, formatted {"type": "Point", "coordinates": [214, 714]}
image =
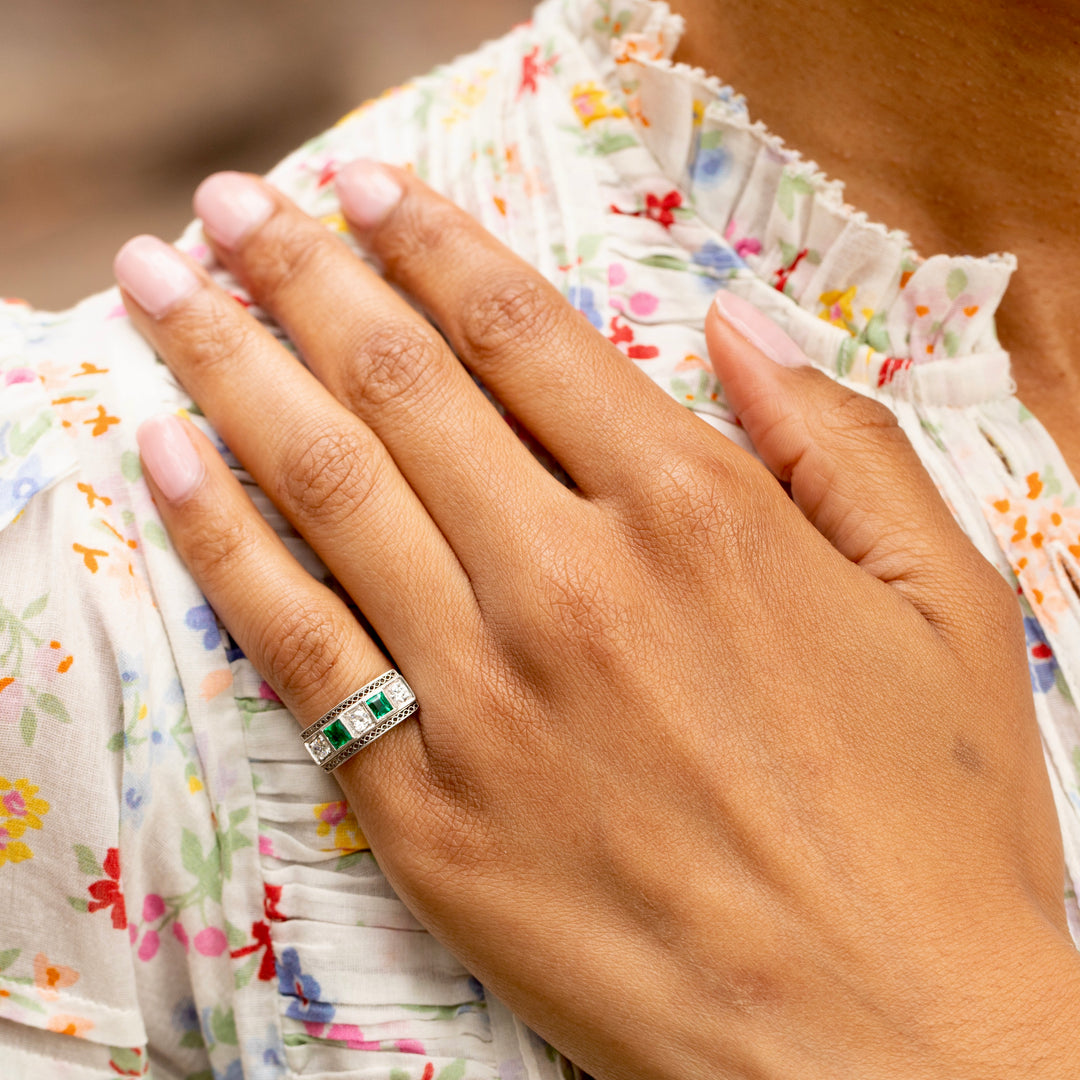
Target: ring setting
{"type": "Point", "coordinates": [359, 720]}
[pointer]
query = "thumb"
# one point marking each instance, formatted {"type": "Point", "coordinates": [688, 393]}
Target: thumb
{"type": "Point", "coordinates": [851, 469]}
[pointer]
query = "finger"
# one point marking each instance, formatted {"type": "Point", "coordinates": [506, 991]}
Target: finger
{"type": "Point", "coordinates": [384, 361]}
{"type": "Point", "coordinates": [852, 470]}
{"type": "Point", "coordinates": [297, 633]}
{"type": "Point", "coordinates": [326, 471]}
{"type": "Point", "coordinates": [512, 328]}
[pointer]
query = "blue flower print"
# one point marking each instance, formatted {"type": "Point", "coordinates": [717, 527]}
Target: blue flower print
{"type": "Point", "coordinates": [711, 166]}
{"type": "Point", "coordinates": [202, 618]}
{"type": "Point", "coordinates": [134, 800]}
{"type": "Point", "coordinates": [584, 300]}
{"type": "Point", "coordinates": [717, 257]}
{"type": "Point", "coordinates": [1041, 661]}
{"type": "Point", "coordinates": [16, 491]}
{"type": "Point", "coordinates": [303, 989]}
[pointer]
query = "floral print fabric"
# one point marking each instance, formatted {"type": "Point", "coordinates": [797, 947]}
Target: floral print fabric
{"type": "Point", "coordinates": [186, 893]}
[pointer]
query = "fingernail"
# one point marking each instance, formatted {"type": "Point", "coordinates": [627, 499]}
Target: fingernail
{"type": "Point", "coordinates": [759, 330]}
{"type": "Point", "coordinates": [231, 205]}
{"type": "Point", "coordinates": [367, 192]}
{"type": "Point", "coordinates": [154, 273]}
{"type": "Point", "coordinates": [168, 453]}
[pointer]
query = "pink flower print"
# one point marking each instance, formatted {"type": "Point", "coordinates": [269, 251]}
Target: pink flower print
{"type": "Point", "coordinates": [19, 375]}
{"type": "Point", "coordinates": [747, 245]}
{"type": "Point", "coordinates": [153, 907]}
{"type": "Point", "coordinates": [643, 304]}
{"type": "Point", "coordinates": [210, 941]}
{"type": "Point", "coordinates": [351, 1035]}
{"type": "Point", "coordinates": [149, 945]}
{"type": "Point", "coordinates": [616, 274]}
{"type": "Point", "coordinates": [181, 934]}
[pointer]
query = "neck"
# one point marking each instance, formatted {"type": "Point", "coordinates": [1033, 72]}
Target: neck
{"type": "Point", "coordinates": [959, 123]}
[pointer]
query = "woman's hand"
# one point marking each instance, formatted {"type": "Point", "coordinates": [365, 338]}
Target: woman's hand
{"type": "Point", "coordinates": [706, 781]}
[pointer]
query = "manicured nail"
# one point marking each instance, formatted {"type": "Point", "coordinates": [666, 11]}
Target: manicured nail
{"type": "Point", "coordinates": [168, 453]}
{"type": "Point", "coordinates": [759, 330]}
{"type": "Point", "coordinates": [155, 274]}
{"type": "Point", "coordinates": [231, 205]}
{"type": "Point", "coordinates": [367, 192]}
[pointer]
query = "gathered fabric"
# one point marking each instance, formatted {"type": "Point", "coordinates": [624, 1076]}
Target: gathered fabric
{"type": "Point", "coordinates": [183, 890]}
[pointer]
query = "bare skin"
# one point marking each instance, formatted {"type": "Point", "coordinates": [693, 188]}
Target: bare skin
{"type": "Point", "coordinates": [959, 123]}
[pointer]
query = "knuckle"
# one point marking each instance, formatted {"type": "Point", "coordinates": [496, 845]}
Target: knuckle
{"type": "Point", "coordinates": [216, 337]}
{"type": "Point", "coordinates": [400, 359]}
{"type": "Point", "coordinates": [329, 478]}
{"type": "Point", "coordinates": [215, 548]}
{"type": "Point", "coordinates": [416, 231]}
{"type": "Point", "coordinates": [855, 416]}
{"type": "Point", "coordinates": [284, 253]}
{"type": "Point", "coordinates": [299, 648]}
{"type": "Point", "coordinates": [519, 307]}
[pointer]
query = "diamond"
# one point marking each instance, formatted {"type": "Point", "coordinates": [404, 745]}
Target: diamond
{"type": "Point", "coordinates": [337, 734]}
{"type": "Point", "coordinates": [399, 694]}
{"type": "Point", "coordinates": [319, 748]}
{"type": "Point", "coordinates": [356, 720]}
{"type": "Point", "coordinates": [379, 705]}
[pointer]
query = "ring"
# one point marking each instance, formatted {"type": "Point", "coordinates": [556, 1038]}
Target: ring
{"type": "Point", "coordinates": [360, 719]}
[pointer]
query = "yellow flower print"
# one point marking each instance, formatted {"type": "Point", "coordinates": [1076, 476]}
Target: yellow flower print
{"type": "Point", "coordinates": [466, 95]}
{"type": "Point", "coordinates": [18, 801]}
{"type": "Point", "coordinates": [590, 103]}
{"type": "Point", "coordinates": [837, 307]}
{"type": "Point", "coordinates": [11, 848]}
{"type": "Point", "coordinates": [336, 817]}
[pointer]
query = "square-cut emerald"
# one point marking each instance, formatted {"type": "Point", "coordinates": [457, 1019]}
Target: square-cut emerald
{"type": "Point", "coordinates": [337, 734]}
{"type": "Point", "coordinates": [379, 705]}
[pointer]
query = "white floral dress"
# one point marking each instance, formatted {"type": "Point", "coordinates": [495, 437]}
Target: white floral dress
{"type": "Point", "coordinates": [180, 889]}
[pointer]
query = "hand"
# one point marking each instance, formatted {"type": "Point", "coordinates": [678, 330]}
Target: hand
{"type": "Point", "coordinates": [707, 781]}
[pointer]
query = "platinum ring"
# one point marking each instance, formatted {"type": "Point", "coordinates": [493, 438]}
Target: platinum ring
{"type": "Point", "coordinates": [359, 720]}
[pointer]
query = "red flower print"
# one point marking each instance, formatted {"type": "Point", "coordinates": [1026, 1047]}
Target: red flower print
{"type": "Point", "coordinates": [624, 335]}
{"type": "Point", "coordinates": [106, 892]}
{"type": "Point", "coordinates": [657, 208]}
{"type": "Point", "coordinates": [784, 273]}
{"type": "Point", "coordinates": [270, 903]}
{"type": "Point", "coordinates": [891, 367]}
{"type": "Point", "coordinates": [532, 68]}
{"type": "Point", "coordinates": [260, 931]}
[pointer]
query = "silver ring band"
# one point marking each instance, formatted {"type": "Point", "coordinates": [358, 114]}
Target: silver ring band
{"type": "Point", "coordinates": [360, 719]}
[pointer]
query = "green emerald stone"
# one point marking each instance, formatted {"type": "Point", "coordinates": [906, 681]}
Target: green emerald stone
{"type": "Point", "coordinates": [337, 734]}
{"type": "Point", "coordinates": [379, 705]}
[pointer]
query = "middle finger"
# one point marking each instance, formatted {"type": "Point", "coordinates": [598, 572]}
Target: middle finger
{"type": "Point", "coordinates": [387, 364]}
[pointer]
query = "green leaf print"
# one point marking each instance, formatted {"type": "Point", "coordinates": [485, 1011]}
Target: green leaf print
{"type": "Point", "coordinates": [791, 184]}
{"type": "Point", "coordinates": [589, 246]}
{"type": "Point", "coordinates": [25, 1002]}
{"type": "Point", "coordinates": [78, 903]}
{"type": "Point", "coordinates": [35, 607]}
{"type": "Point", "coordinates": [665, 262]}
{"type": "Point", "coordinates": [398, 1074]}
{"type": "Point", "coordinates": [234, 935]}
{"type": "Point", "coordinates": [956, 282]}
{"type": "Point", "coordinates": [875, 335]}
{"type": "Point", "coordinates": [845, 356]}
{"type": "Point", "coordinates": [155, 534]}
{"type": "Point", "coordinates": [87, 863]}
{"type": "Point", "coordinates": [8, 957]}
{"type": "Point", "coordinates": [28, 725]}
{"type": "Point", "coordinates": [22, 442]}
{"type": "Point", "coordinates": [612, 143]}
{"type": "Point", "coordinates": [245, 972]}
{"type": "Point", "coordinates": [454, 1071]}
{"type": "Point", "coordinates": [192, 1040]}
{"type": "Point", "coordinates": [130, 466]}
{"type": "Point", "coordinates": [952, 343]}
{"type": "Point", "coordinates": [51, 705]}
{"type": "Point", "coordinates": [126, 1060]}
{"type": "Point", "coordinates": [223, 1025]}
{"type": "Point", "coordinates": [711, 140]}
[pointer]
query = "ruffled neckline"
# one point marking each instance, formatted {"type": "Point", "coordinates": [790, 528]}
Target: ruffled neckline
{"type": "Point", "coordinates": [854, 293]}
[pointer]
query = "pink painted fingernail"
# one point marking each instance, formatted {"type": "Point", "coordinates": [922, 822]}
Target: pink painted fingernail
{"type": "Point", "coordinates": [168, 453]}
{"type": "Point", "coordinates": [757, 328]}
{"type": "Point", "coordinates": [231, 205]}
{"type": "Point", "coordinates": [367, 192]}
{"type": "Point", "coordinates": [154, 274]}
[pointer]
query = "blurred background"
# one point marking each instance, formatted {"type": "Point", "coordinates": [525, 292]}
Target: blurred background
{"type": "Point", "coordinates": [111, 112]}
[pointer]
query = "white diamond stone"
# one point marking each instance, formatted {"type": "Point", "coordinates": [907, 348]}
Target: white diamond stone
{"type": "Point", "coordinates": [398, 693]}
{"type": "Point", "coordinates": [356, 720]}
{"type": "Point", "coordinates": [319, 748]}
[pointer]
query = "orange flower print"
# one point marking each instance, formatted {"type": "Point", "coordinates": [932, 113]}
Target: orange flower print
{"type": "Point", "coordinates": [336, 817]}
{"type": "Point", "coordinates": [102, 421]}
{"type": "Point", "coordinates": [50, 977]}
{"type": "Point", "coordinates": [64, 1024]}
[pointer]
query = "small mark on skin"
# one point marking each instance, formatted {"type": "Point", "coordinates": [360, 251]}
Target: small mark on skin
{"type": "Point", "coordinates": [967, 756]}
